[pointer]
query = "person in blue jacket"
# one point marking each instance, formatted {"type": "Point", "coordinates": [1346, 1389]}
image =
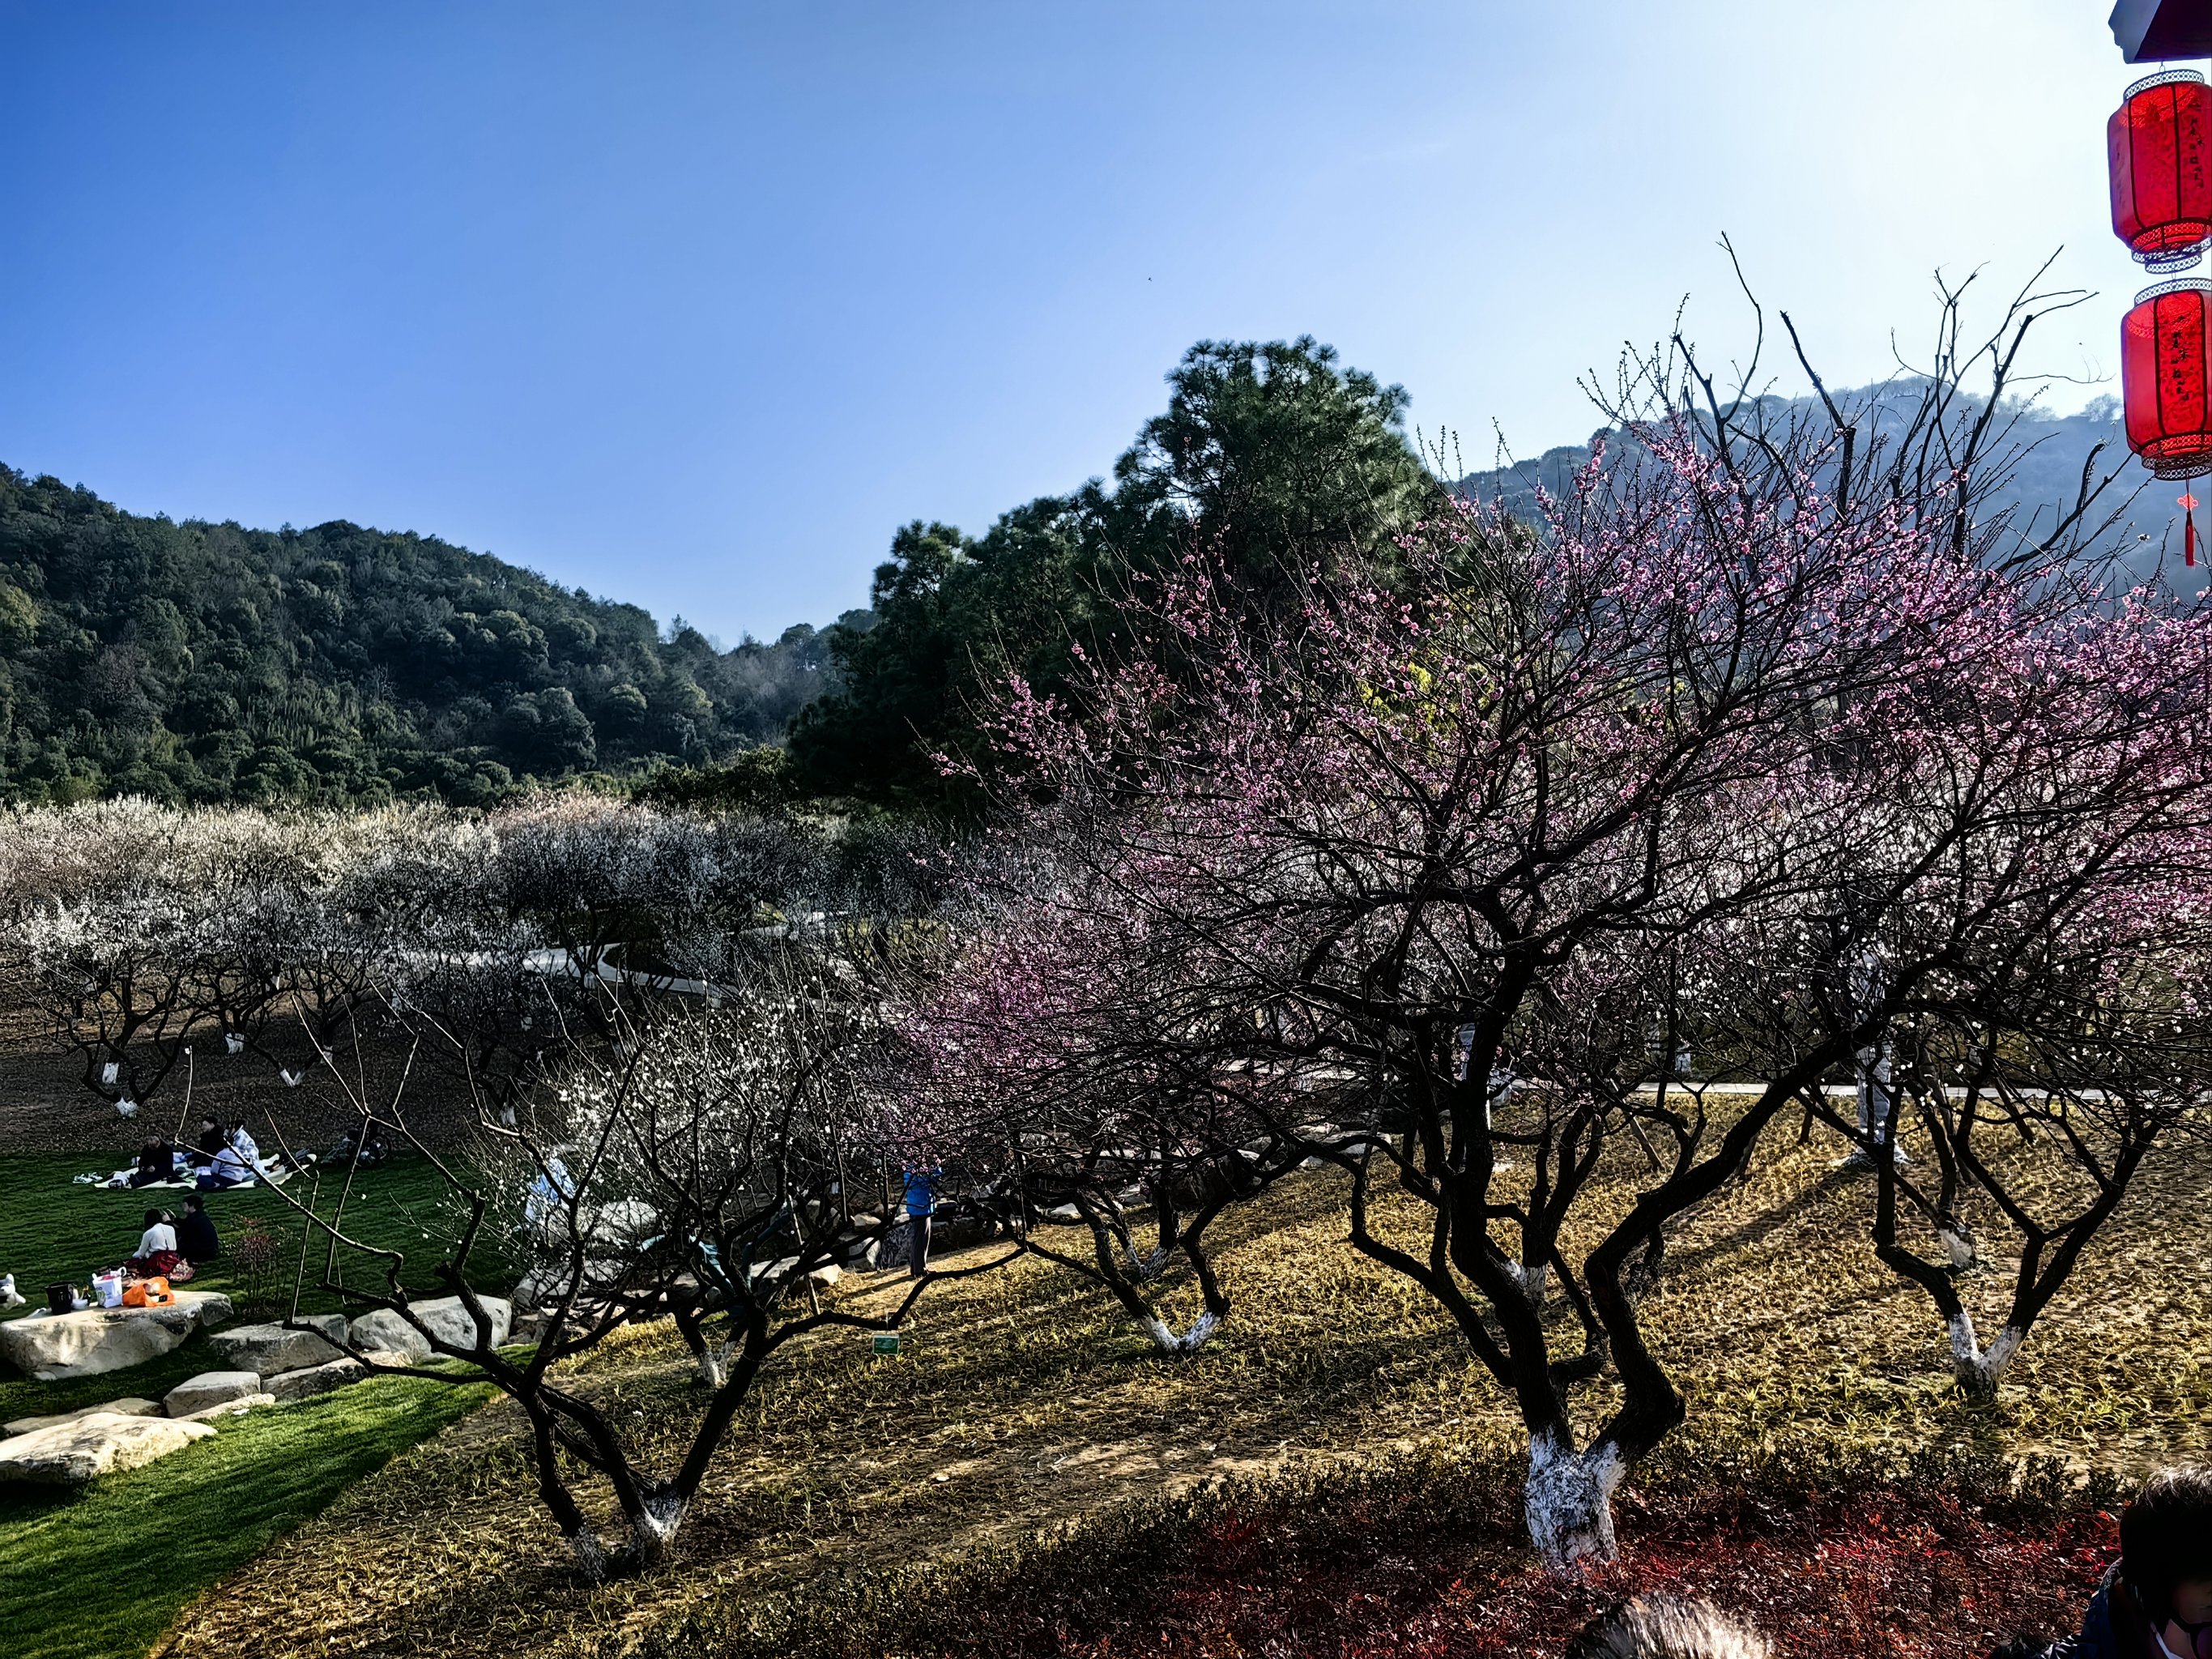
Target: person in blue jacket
{"type": "Point", "coordinates": [921, 1206]}
{"type": "Point", "coordinates": [2156, 1601]}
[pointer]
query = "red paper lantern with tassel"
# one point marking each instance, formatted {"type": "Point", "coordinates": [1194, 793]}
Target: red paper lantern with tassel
{"type": "Point", "coordinates": [2165, 378]}
{"type": "Point", "coordinates": [2159, 144]}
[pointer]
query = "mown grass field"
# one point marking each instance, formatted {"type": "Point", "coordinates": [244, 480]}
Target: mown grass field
{"type": "Point", "coordinates": [105, 1571]}
{"type": "Point", "coordinates": [52, 1230]}
{"type": "Point", "coordinates": [1023, 1402]}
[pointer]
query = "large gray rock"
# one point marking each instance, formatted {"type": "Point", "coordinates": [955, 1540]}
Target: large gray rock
{"type": "Point", "coordinates": [384, 1332]}
{"type": "Point", "coordinates": [544, 1286]}
{"type": "Point", "coordinates": [209, 1388]}
{"type": "Point", "coordinates": [132, 1406]}
{"type": "Point", "coordinates": [101, 1442]}
{"type": "Point", "coordinates": [237, 1406]}
{"type": "Point", "coordinates": [267, 1350]}
{"type": "Point", "coordinates": [821, 1277]}
{"type": "Point", "coordinates": [314, 1379]}
{"type": "Point", "coordinates": [443, 1314]}
{"type": "Point", "coordinates": [54, 1347]}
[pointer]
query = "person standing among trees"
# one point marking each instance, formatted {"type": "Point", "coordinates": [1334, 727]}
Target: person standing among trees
{"type": "Point", "coordinates": [921, 1206]}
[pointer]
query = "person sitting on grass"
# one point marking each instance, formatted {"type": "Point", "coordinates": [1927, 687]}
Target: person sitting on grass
{"type": "Point", "coordinates": [196, 1239]}
{"type": "Point", "coordinates": [1669, 1627]}
{"type": "Point", "coordinates": [233, 1165]}
{"type": "Point", "coordinates": [363, 1148]}
{"type": "Point", "coordinates": [2156, 1600]}
{"type": "Point", "coordinates": [209, 1145]}
{"type": "Point", "coordinates": [158, 1256]}
{"type": "Point", "coordinates": [157, 1163]}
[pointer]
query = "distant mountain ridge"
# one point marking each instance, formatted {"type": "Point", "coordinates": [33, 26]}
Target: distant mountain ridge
{"type": "Point", "coordinates": [2057, 446]}
{"type": "Point", "coordinates": [205, 662]}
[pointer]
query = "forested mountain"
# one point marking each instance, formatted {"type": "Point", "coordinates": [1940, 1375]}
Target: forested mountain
{"type": "Point", "coordinates": [205, 662]}
{"type": "Point", "coordinates": [1274, 455]}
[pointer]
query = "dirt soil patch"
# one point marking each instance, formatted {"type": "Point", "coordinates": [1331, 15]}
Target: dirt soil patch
{"type": "Point", "coordinates": [50, 1107]}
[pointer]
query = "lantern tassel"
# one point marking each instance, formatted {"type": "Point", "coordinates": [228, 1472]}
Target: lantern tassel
{"type": "Point", "coordinates": [2187, 503]}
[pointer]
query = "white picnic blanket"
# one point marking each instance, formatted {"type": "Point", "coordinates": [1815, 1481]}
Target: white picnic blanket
{"type": "Point", "coordinates": [267, 1172]}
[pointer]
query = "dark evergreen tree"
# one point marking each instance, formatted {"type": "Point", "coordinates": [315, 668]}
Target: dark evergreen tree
{"type": "Point", "coordinates": [1272, 452]}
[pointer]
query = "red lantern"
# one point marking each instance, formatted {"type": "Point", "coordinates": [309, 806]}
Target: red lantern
{"type": "Point", "coordinates": [2159, 145]}
{"type": "Point", "coordinates": [2165, 377]}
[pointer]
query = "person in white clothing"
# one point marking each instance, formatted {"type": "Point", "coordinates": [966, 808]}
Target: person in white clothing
{"type": "Point", "coordinates": [157, 1249]}
{"type": "Point", "coordinates": [234, 1165]}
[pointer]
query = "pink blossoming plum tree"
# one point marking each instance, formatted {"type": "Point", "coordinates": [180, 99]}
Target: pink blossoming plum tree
{"type": "Point", "coordinates": [1734, 748]}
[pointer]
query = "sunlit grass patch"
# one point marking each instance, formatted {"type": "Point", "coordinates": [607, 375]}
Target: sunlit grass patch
{"type": "Point", "coordinates": [103, 1571]}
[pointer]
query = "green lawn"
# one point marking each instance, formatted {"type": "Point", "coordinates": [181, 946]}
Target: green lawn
{"type": "Point", "coordinates": [102, 1573]}
{"type": "Point", "coordinates": [52, 1231]}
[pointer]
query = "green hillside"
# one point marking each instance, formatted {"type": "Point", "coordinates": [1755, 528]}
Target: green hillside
{"type": "Point", "coordinates": [205, 662]}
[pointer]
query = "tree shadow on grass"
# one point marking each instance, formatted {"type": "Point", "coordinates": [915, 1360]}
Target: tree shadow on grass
{"type": "Point", "coordinates": [102, 1572]}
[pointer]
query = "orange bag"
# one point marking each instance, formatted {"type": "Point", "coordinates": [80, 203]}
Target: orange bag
{"type": "Point", "coordinates": [148, 1293]}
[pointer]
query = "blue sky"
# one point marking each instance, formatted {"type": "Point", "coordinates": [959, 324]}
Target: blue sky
{"type": "Point", "coordinates": [693, 304]}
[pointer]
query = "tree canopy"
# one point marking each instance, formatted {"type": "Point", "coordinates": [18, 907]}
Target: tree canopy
{"type": "Point", "coordinates": [1273, 455]}
{"type": "Point", "coordinates": [203, 662]}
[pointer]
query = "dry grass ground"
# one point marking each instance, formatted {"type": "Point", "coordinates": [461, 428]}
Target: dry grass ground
{"type": "Point", "coordinates": [1022, 1402]}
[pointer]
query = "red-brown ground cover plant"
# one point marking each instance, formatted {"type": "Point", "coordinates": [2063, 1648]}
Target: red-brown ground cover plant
{"type": "Point", "coordinates": [1939, 1560]}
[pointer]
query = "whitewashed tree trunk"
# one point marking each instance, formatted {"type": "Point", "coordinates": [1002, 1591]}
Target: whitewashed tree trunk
{"type": "Point", "coordinates": [1148, 1266]}
{"type": "Point", "coordinates": [1568, 1501]}
{"type": "Point", "coordinates": [1165, 1339]}
{"type": "Point", "coordinates": [1535, 1282]}
{"type": "Point", "coordinates": [1979, 1370]}
{"type": "Point", "coordinates": [654, 1528]}
{"type": "Point", "coordinates": [714, 1365]}
{"type": "Point", "coordinates": [591, 1555]}
{"type": "Point", "coordinates": [1958, 1245]}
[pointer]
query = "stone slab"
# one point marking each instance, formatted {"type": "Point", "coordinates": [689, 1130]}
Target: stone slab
{"type": "Point", "coordinates": [236, 1408]}
{"type": "Point", "coordinates": [443, 1314]}
{"type": "Point", "coordinates": [130, 1406]}
{"type": "Point", "coordinates": [314, 1379]}
{"type": "Point", "coordinates": [54, 1347]}
{"type": "Point", "coordinates": [101, 1442]}
{"type": "Point", "coordinates": [197, 1394]}
{"type": "Point", "coordinates": [267, 1350]}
